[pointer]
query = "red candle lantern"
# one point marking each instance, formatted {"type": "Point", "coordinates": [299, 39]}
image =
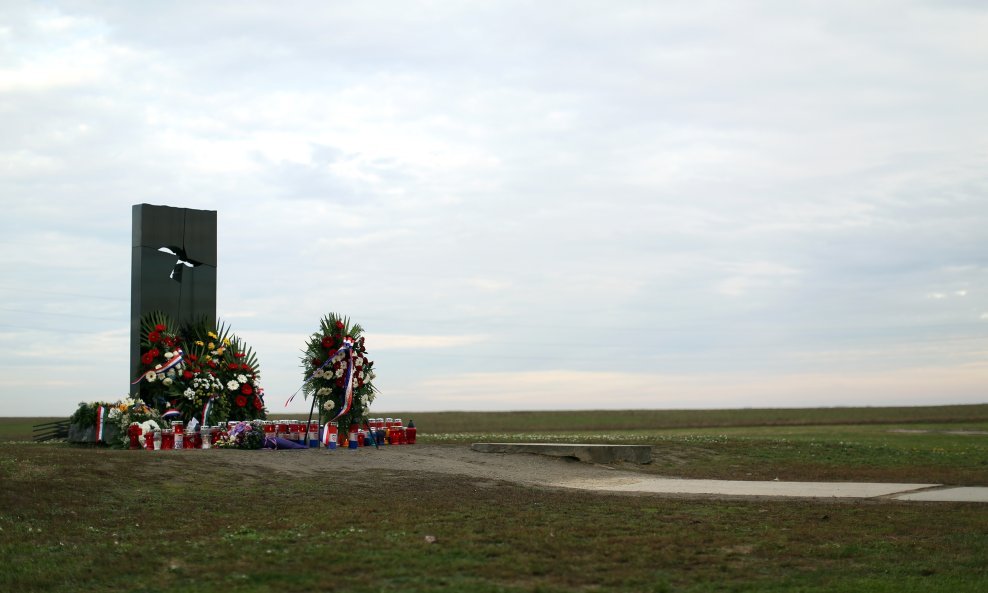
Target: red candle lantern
{"type": "Point", "coordinates": [134, 432]}
{"type": "Point", "coordinates": [410, 432]}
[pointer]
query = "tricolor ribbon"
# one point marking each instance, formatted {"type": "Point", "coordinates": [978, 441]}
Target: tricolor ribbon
{"type": "Point", "coordinates": [348, 386]}
{"type": "Point", "coordinates": [170, 413]}
{"type": "Point", "coordinates": [205, 410]}
{"type": "Point", "coordinates": [100, 422]}
{"type": "Point", "coordinates": [347, 350]}
{"type": "Point", "coordinates": [172, 363]}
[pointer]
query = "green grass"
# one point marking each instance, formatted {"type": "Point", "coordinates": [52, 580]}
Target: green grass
{"type": "Point", "coordinates": [87, 519]}
{"type": "Point", "coordinates": [609, 420]}
{"type": "Point", "coordinates": [82, 519]}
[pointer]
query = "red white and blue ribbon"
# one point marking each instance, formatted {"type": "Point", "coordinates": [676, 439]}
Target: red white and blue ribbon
{"type": "Point", "coordinates": [100, 422]}
{"type": "Point", "coordinates": [348, 387]}
{"type": "Point", "coordinates": [347, 350]}
{"type": "Point", "coordinates": [171, 413]}
{"type": "Point", "coordinates": [172, 363]}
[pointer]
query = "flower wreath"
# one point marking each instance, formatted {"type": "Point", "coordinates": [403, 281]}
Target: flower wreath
{"type": "Point", "coordinates": [337, 372]}
{"type": "Point", "coordinates": [200, 371]}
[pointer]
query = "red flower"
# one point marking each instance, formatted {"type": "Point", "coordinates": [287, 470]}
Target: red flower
{"type": "Point", "coordinates": [316, 362]}
{"type": "Point", "coordinates": [339, 325]}
{"type": "Point", "coordinates": [147, 358]}
{"type": "Point", "coordinates": [239, 354]}
{"type": "Point", "coordinates": [244, 367]}
{"type": "Point", "coordinates": [246, 389]}
{"type": "Point", "coordinates": [241, 401]}
{"type": "Point", "coordinates": [160, 327]}
{"type": "Point", "coordinates": [327, 342]}
{"type": "Point", "coordinates": [187, 375]}
{"type": "Point", "coordinates": [170, 342]}
{"type": "Point", "coordinates": [233, 366]}
{"type": "Point", "coordinates": [332, 353]}
{"type": "Point", "coordinates": [193, 357]}
{"type": "Point", "coordinates": [155, 352]}
{"type": "Point", "coordinates": [339, 382]}
{"type": "Point", "coordinates": [154, 337]}
{"type": "Point", "coordinates": [258, 404]}
{"type": "Point", "coordinates": [212, 364]}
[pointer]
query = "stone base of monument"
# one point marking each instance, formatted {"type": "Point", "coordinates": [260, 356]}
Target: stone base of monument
{"type": "Point", "coordinates": [584, 452]}
{"type": "Point", "coordinates": [87, 434]}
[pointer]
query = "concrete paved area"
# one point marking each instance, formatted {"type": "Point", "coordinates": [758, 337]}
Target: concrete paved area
{"type": "Point", "coordinates": [601, 478]}
{"type": "Point", "coordinates": [949, 494]}
{"type": "Point", "coordinates": [584, 452]}
{"type": "Point", "coordinates": [743, 488]}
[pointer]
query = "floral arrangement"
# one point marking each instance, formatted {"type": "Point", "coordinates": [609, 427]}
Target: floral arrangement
{"type": "Point", "coordinates": [333, 354]}
{"type": "Point", "coordinates": [244, 435]}
{"type": "Point", "coordinates": [128, 412]}
{"type": "Point", "coordinates": [215, 368]}
{"type": "Point", "coordinates": [119, 416]}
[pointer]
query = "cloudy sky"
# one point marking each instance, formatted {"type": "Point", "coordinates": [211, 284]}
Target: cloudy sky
{"type": "Point", "coordinates": [527, 205]}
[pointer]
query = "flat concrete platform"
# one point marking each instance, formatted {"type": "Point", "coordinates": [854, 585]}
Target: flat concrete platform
{"type": "Point", "coordinates": [651, 484]}
{"type": "Point", "coordinates": [584, 452]}
{"type": "Point", "coordinates": [955, 494]}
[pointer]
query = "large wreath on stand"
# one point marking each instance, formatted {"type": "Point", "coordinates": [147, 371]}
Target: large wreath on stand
{"type": "Point", "coordinates": [338, 373]}
{"type": "Point", "coordinates": [198, 369]}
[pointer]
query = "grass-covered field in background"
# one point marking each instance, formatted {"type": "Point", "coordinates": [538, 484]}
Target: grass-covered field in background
{"type": "Point", "coordinates": [85, 519]}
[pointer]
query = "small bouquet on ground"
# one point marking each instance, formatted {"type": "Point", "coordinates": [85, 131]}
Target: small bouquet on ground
{"type": "Point", "coordinates": [244, 435]}
{"type": "Point", "coordinates": [128, 412]}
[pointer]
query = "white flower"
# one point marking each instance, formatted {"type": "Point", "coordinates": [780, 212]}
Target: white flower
{"type": "Point", "coordinates": [318, 374]}
{"type": "Point", "coordinates": [233, 386]}
{"type": "Point", "coordinates": [359, 361]}
{"type": "Point", "coordinates": [114, 412]}
{"type": "Point", "coordinates": [168, 381]}
{"type": "Point", "coordinates": [149, 426]}
{"type": "Point", "coordinates": [151, 376]}
{"type": "Point", "coordinates": [189, 393]}
{"type": "Point", "coordinates": [339, 373]}
{"type": "Point", "coordinates": [171, 373]}
{"type": "Point", "coordinates": [169, 355]}
{"type": "Point", "coordinates": [372, 375]}
{"type": "Point", "coordinates": [242, 378]}
{"type": "Point", "coordinates": [363, 377]}
{"type": "Point", "coordinates": [329, 405]}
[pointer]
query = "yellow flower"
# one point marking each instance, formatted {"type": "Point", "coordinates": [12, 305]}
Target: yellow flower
{"type": "Point", "coordinates": [122, 407]}
{"type": "Point", "coordinates": [219, 351]}
{"type": "Point", "coordinates": [208, 358]}
{"type": "Point", "coordinates": [200, 343]}
{"type": "Point", "coordinates": [212, 335]}
{"type": "Point", "coordinates": [226, 341]}
{"type": "Point", "coordinates": [211, 346]}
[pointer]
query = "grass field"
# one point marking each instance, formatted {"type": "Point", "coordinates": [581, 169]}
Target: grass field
{"type": "Point", "coordinates": [83, 519]}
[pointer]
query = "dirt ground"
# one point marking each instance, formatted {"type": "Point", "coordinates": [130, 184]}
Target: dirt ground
{"type": "Point", "coordinates": [480, 468]}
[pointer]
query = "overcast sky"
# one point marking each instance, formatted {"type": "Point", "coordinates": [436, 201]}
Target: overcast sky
{"type": "Point", "coordinates": [528, 205]}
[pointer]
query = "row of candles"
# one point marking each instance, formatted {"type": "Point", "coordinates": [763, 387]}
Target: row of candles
{"type": "Point", "coordinates": [374, 432]}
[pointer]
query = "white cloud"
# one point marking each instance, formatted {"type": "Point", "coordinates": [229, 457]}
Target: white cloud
{"type": "Point", "coordinates": [700, 187]}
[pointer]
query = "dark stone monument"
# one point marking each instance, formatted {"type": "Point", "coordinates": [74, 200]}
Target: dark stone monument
{"type": "Point", "coordinates": [173, 269]}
